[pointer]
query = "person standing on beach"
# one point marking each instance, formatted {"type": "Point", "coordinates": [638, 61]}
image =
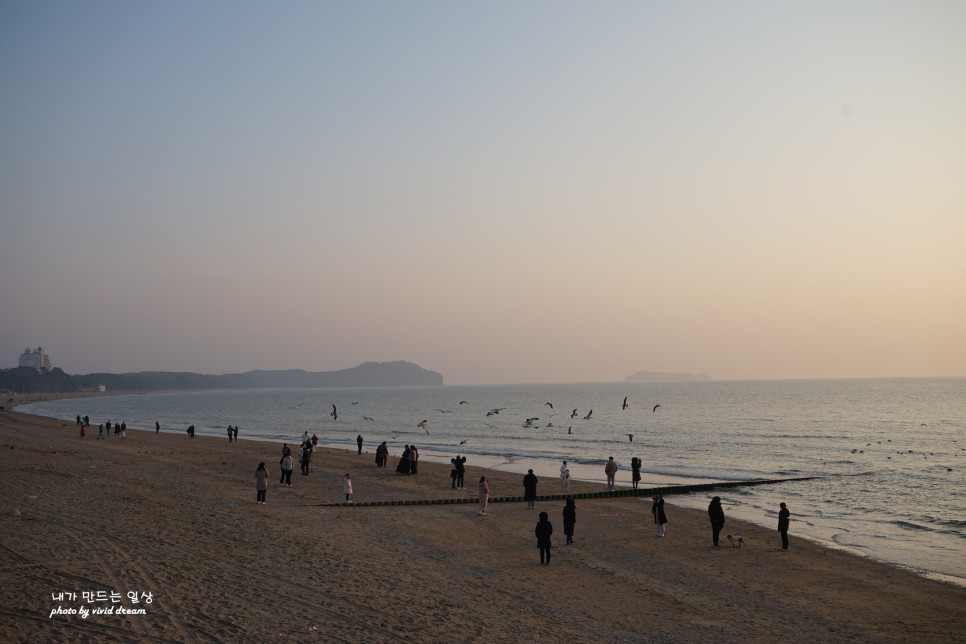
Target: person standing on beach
{"type": "Point", "coordinates": [460, 471]}
{"type": "Point", "coordinates": [285, 450]}
{"type": "Point", "coordinates": [288, 464]}
{"type": "Point", "coordinates": [716, 514]}
{"type": "Point", "coordinates": [100, 432]}
{"type": "Point", "coordinates": [82, 432]}
{"type": "Point", "coordinates": [635, 471]}
{"type": "Point", "coordinates": [382, 455]}
{"type": "Point", "coordinates": [359, 442]}
{"type": "Point", "coordinates": [484, 491]}
{"type": "Point", "coordinates": [108, 426]}
{"type": "Point", "coordinates": [305, 457]}
{"type": "Point", "coordinates": [235, 430]}
{"type": "Point", "coordinates": [413, 459]}
{"type": "Point", "coordinates": [657, 509]}
{"type": "Point", "coordinates": [543, 531]}
{"type": "Point", "coordinates": [530, 489]}
{"type": "Point", "coordinates": [610, 470]}
{"type": "Point", "coordinates": [784, 518]}
{"type": "Point", "coordinates": [229, 433]}
{"type": "Point", "coordinates": [315, 440]}
{"type": "Point", "coordinates": [157, 427]}
{"type": "Point", "coordinates": [123, 430]}
{"type": "Point", "coordinates": [569, 518]}
{"type": "Point", "coordinates": [452, 471]}
{"type": "Point", "coordinates": [347, 487]}
{"type": "Point", "coordinates": [564, 477]}
{"type": "Point", "coordinates": [261, 482]}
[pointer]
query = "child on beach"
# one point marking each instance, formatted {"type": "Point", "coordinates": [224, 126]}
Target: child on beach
{"type": "Point", "coordinates": [347, 487]}
{"type": "Point", "coordinates": [484, 489]}
{"type": "Point", "coordinates": [261, 482]}
{"type": "Point", "coordinates": [543, 531]}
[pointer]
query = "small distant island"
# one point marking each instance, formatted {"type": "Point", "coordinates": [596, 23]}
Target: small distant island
{"type": "Point", "coordinates": [658, 376]}
{"type": "Point", "coordinates": [369, 374]}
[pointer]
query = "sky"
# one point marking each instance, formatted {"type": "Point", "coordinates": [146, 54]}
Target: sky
{"type": "Point", "coordinates": [503, 192]}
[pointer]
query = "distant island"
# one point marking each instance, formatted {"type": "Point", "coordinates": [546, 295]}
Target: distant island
{"type": "Point", "coordinates": [368, 374]}
{"type": "Point", "coordinates": [658, 376]}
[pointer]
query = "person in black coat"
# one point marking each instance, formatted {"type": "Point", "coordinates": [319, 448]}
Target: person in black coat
{"type": "Point", "coordinates": [543, 531]}
{"type": "Point", "coordinates": [660, 519]}
{"type": "Point", "coordinates": [716, 514]}
{"type": "Point", "coordinates": [530, 489]}
{"type": "Point", "coordinates": [784, 518]}
{"type": "Point", "coordinates": [570, 518]}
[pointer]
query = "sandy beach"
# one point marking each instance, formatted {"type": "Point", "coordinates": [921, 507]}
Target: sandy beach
{"type": "Point", "coordinates": [173, 520]}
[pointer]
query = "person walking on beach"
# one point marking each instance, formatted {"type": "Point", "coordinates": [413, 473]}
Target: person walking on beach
{"type": "Point", "coordinates": [288, 464]}
{"type": "Point", "coordinates": [784, 518]}
{"type": "Point", "coordinates": [261, 482]}
{"type": "Point", "coordinates": [610, 470]}
{"type": "Point", "coordinates": [123, 430]}
{"type": "Point", "coordinates": [564, 477]}
{"type": "Point", "coordinates": [460, 471]}
{"type": "Point", "coordinates": [543, 531]}
{"type": "Point", "coordinates": [347, 487]}
{"type": "Point", "coordinates": [484, 491]}
{"type": "Point", "coordinates": [716, 514]}
{"type": "Point", "coordinates": [530, 489]}
{"type": "Point", "coordinates": [635, 471]}
{"type": "Point", "coordinates": [235, 430]}
{"type": "Point", "coordinates": [359, 442]}
{"type": "Point", "coordinates": [569, 518]}
{"type": "Point", "coordinates": [100, 432]}
{"type": "Point", "coordinates": [657, 509]}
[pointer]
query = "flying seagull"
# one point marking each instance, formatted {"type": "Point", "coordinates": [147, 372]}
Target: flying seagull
{"type": "Point", "coordinates": [631, 437]}
{"type": "Point", "coordinates": [297, 407]}
{"type": "Point", "coordinates": [463, 402]}
{"type": "Point", "coordinates": [422, 424]}
{"type": "Point", "coordinates": [624, 406]}
{"type": "Point", "coordinates": [462, 442]}
{"type": "Point", "coordinates": [366, 418]}
{"type": "Point", "coordinates": [550, 405]}
{"type": "Point", "coordinates": [573, 414]}
{"type": "Point", "coordinates": [334, 414]}
{"type": "Point", "coordinates": [587, 417]}
{"type": "Point", "coordinates": [655, 408]}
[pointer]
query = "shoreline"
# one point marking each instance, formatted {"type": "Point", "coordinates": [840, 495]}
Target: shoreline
{"type": "Point", "coordinates": [177, 517]}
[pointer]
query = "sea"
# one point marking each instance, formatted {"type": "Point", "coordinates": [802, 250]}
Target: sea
{"type": "Point", "coordinates": [885, 459]}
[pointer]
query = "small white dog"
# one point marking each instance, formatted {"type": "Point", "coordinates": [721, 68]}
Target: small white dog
{"type": "Point", "coordinates": [736, 540]}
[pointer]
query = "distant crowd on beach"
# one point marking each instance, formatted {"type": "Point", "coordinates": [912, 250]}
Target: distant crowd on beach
{"type": "Point", "coordinates": [408, 465]}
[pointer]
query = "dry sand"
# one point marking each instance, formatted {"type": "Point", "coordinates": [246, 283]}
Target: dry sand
{"type": "Point", "coordinates": [176, 517]}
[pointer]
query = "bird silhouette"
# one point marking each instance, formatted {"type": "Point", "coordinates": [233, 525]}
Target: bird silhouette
{"type": "Point", "coordinates": [334, 413]}
{"type": "Point", "coordinates": [655, 408]}
{"type": "Point", "coordinates": [587, 417]}
{"type": "Point", "coordinates": [422, 424]}
{"type": "Point", "coordinates": [550, 405]}
{"type": "Point", "coordinates": [366, 418]}
{"type": "Point", "coordinates": [464, 402]}
{"type": "Point", "coordinates": [573, 414]}
{"type": "Point", "coordinates": [624, 406]}
{"type": "Point", "coordinates": [462, 442]}
{"type": "Point", "coordinates": [570, 430]}
{"type": "Point", "coordinates": [297, 408]}
{"type": "Point", "coordinates": [631, 437]}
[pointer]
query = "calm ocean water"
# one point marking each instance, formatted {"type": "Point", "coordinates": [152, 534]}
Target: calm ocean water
{"type": "Point", "coordinates": [889, 455]}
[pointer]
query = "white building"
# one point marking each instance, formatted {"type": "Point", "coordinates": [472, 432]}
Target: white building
{"type": "Point", "coordinates": [35, 359]}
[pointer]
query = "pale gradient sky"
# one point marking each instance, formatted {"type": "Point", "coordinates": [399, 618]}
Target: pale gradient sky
{"type": "Point", "coordinates": [504, 192]}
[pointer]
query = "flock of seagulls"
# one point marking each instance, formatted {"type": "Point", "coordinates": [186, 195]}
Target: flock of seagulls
{"type": "Point", "coordinates": [529, 423]}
